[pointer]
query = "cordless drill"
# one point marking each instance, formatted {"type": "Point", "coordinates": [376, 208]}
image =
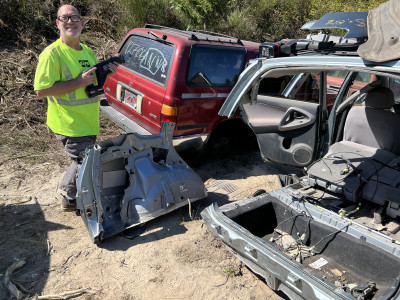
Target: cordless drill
{"type": "Point", "coordinates": [101, 74]}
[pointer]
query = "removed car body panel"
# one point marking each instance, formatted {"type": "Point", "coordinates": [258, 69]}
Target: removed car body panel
{"type": "Point", "coordinates": [383, 33]}
{"type": "Point", "coordinates": [131, 179]}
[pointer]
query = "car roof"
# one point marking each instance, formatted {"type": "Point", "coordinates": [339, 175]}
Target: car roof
{"type": "Point", "coordinates": [336, 61]}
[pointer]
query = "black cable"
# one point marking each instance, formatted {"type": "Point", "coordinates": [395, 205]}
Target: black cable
{"type": "Point", "coordinates": [332, 233]}
{"type": "Point", "coordinates": [303, 214]}
{"type": "Point", "coordinates": [320, 197]}
{"type": "Point", "coordinates": [303, 201]}
{"type": "Point", "coordinates": [277, 226]}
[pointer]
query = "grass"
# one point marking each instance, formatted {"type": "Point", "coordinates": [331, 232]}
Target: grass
{"type": "Point", "coordinates": [233, 271]}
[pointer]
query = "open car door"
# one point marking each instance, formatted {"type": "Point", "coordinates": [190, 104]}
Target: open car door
{"type": "Point", "coordinates": [284, 110]}
{"type": "Point", "coordinates": [286, 129]}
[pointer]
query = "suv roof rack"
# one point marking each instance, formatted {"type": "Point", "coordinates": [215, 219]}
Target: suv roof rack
{"type": "Point", "coordinates": [309, 46]}
{"type": "Point", "coordinates": [198, 35]}
{"type": "Point", "coordinates": [354, 22]}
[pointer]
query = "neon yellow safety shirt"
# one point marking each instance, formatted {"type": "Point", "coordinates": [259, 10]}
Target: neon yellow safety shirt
{"type": "Point", "coordinates": [72, 114]}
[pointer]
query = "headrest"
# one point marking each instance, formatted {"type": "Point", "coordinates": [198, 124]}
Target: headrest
{"type": "Point", "coordinates": [380, 97]}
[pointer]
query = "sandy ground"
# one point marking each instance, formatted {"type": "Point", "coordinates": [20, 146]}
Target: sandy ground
{"type": "Point", "coordinates": [172, 257]}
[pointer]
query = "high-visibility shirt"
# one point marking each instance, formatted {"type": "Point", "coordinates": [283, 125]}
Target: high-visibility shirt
{"type": "Point", "coordinates": [72, 114]}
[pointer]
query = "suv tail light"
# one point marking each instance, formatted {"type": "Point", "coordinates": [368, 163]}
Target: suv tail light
{"type": "Point", "coordinates": [168, 113]}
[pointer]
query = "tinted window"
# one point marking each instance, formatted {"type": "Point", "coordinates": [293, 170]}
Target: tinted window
{"type": "Point", "coordinates": [303, 87]}
{"type": "Point", "coordinates": [149, 57]}
{"type": "Point", "coordinates": [215, 66]}
{"type": "Point", "coordinates": [274, 86]}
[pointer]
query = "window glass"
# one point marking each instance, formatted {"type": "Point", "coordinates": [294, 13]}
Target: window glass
{"type": "Point", "coordinates": [307, 87]}
{"type": "Point", "coordinates": [361, 80]}
{"type": "Point", "coordinates": [394, 85]}
{"type": "Point", "coordinates": [364, 78]}
{"type": "Point", "coordinates": [149, 57]}
{"type": "Point", "coordinates": [215, 66]}
{"type": "Point", "coordinates": [303, 87]}
{"type": "Point", "coordinates": [334, 81]}
{"type": "Point", "coordinates": [274, 86]}
{"type": "Point", "coordinates": [337, 74]}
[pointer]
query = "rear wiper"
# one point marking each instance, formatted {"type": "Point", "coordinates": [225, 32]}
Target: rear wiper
{"type": "Point", "coordinates": [161, 39]}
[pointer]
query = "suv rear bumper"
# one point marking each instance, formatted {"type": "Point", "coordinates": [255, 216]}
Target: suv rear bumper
{"type": "Point", "coordinates": [122, 121]}
{"type": "Point", "coordinates": [181, 143]}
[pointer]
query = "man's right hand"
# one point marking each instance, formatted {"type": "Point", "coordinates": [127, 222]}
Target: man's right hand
{"type": "Point", "coordinates": [86, 77]}
{"type": "Point", "coordinates": [62, 87]}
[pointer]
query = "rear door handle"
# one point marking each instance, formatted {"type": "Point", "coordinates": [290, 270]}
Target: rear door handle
{"type": "Point", "coordinates": [295, 118]}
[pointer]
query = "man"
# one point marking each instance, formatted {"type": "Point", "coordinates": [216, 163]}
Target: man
{"type": "Point", "coordinates": [62, 75]}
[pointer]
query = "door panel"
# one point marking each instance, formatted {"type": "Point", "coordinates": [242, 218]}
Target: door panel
{"type": "Point", "coordinates": [286, 129]}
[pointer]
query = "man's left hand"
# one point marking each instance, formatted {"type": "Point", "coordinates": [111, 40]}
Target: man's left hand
{"type": "Point", "coordinates": [113, 67]}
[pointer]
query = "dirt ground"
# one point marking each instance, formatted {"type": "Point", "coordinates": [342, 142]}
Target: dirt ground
{"type": "Point", "coordinates": [173, 257]}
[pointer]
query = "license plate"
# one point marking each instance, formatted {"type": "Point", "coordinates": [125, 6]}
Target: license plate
{"type": "Point", "coordinates": [133, 100]}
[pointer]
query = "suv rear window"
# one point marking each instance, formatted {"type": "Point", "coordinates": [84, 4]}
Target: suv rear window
{"type": "Point", "coordinates": [215, 66]}
{"type": "Point", "coordinates": [149, 57]}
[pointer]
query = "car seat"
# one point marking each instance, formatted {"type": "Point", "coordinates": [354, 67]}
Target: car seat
{"type": "Point", "coordinates": [373, 124]}
{"type": "Point", "coordinates": [366, 162]}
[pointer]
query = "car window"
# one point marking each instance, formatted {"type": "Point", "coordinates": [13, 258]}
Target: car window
{"type": "Point", "coordinates": [308, 88]}
{"type": "Point", "coordinates": [215, 66]}
{"type": "Point", "coordinates": [361, 80]}
{"type": "Point", "coordinates": [271, 86]}
{"type": "Point", "coordinates": [335, 79]}
{"type": "Point", "coordinates": [304, 87]}
{"type": "Point", "coordinates": [149, 57]}
{"type": "Point", "coordinates": [394, 85]}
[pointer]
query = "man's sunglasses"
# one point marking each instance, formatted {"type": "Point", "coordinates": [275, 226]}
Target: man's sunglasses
{"type": "Point", "coordinates": [73, 18]}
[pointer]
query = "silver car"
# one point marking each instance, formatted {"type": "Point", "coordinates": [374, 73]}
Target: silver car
{"type": "Point", "coordinates": [334, 112]}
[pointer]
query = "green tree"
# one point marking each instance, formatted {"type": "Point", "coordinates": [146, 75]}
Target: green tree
{"type": "Point", "coordinates": [321, 7]}
{"type": "Point", "coordinates": [205, 13]}
{"type": "Point", "coordinates": [31, 22]}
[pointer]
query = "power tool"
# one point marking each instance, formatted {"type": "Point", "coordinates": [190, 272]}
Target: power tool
{"type": "Point", "coordinates": [101, 74]}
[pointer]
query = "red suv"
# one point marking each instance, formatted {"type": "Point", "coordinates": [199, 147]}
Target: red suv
{"type": "Point", "coordinates": [177, 76]}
